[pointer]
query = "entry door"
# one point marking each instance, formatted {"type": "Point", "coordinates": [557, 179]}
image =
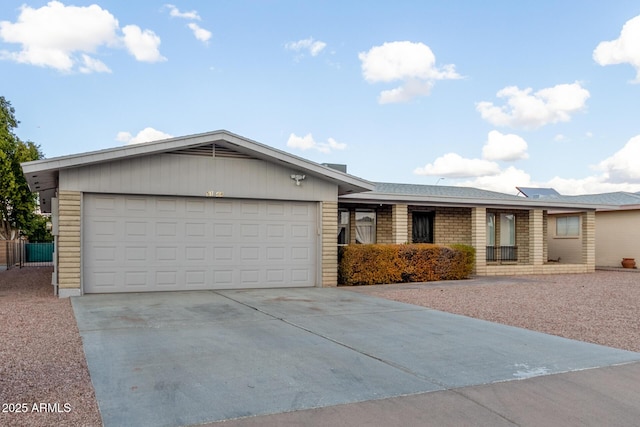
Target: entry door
{"type": "Point", "coordinates": [422, 227]}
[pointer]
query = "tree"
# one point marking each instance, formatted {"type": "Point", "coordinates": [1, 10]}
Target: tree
{"type": "Point", "coordinates": [17, 202]}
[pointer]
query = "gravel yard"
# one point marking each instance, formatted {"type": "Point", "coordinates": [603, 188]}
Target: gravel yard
{"type": "Point", "coordinates": [42, 360]}
{"type": "Point", "coordinates": [601, 307]}
{"type": "Point", "coordinates": [41, 356]}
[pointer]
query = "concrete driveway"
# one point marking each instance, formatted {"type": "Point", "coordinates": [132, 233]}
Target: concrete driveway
{"type": "Point", "coordinates": [185, 358]}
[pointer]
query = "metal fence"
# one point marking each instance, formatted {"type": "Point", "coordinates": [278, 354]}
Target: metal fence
{"type": "Point", "coordinates": [23, 254]}
{"type": "Point", "coordinates": [502, 253]}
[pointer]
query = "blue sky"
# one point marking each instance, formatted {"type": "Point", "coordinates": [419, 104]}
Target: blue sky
{"type": "Point", "coordinates": [492, 94]}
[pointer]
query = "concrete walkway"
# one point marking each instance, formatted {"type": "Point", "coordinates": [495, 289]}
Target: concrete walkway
{"type": "Point", "coordinates": [333, 357]}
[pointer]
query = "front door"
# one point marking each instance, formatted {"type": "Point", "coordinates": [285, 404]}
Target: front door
{"type": "Point", "coordinates": [422, 227]}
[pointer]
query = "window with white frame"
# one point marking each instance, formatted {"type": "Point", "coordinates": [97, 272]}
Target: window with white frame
{"type": "Point", "coordinates": [365, 227]}
{"type": "Point", "coordinates": [343, 227]}
{"type": "Point", "coordinates": [568, 226]}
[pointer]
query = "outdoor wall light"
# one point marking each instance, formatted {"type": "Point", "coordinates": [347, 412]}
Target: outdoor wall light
{"type": "Point", "coordinates": [298, 178]}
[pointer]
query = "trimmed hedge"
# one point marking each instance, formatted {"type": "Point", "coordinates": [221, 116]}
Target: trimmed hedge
{"type": "Point", "coordinates": [421, 262]}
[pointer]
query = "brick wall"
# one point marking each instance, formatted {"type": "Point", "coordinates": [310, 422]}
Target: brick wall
{"type": "Point", "coordinates": [452, 225]}
{"type": "Point", "coordinates": [400, 217]}
{"type": "Point", "coordinates": [68, 240]}
{"type": "Point", "coordinates": [589, 239]}
{"type": "Point", "coordinates": [329, 244]}
{"type": "Point", "coordinates": [384, 225]}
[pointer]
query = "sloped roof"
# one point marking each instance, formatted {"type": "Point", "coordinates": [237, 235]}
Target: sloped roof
{"type": "Point", "coordinates": [43, 174]}
{"type": "Point", "coordinates": [618, 198]}
{"type": "Point", "coordinates": [613, 200]}
{"type": "Point", "coordinates": [441, 195]}
{"type": "Point", "coordinates": [534, 192]}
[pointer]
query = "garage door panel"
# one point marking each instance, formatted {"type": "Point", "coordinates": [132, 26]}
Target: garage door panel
{"type": "Point", "coordinates": [151, 243]}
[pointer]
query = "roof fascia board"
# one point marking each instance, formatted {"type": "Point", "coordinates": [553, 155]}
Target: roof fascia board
{"type": "Point", "coordinates": [265, 152]}
{"type": "Point", "coordinates": [466, 202]}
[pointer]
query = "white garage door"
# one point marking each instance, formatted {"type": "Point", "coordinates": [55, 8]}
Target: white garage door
{"type": "Point", "coordinates": [154, 243]}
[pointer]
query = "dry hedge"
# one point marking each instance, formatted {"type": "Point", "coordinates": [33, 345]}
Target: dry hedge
{"type": "Point", "coordinates": [379, 264]}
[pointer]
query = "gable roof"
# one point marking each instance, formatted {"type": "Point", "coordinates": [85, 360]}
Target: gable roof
{"type": "Point", "coordinates": [441, 195]}
{"type": "Point", "coordinates": [43, 174]}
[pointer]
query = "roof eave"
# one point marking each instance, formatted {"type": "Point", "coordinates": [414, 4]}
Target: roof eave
{"type": "Point", "coordinates": [47, 170]}
{"type": "Point", "coordinates": [524, 203]}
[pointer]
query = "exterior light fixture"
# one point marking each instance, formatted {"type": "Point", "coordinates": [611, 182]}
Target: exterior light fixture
{"type": "Point", "coordinates": [297, 178]}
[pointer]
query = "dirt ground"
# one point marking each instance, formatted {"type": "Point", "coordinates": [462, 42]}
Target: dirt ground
{"type": "Point", "coordinates": [44, 379]}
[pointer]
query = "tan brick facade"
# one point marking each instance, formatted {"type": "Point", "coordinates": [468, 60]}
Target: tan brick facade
{"type": "Point", "coordinates": [452, 225]}
{"type": "Point", "coordinates": [469, 226]}
{"type": "Point", "coordinates": [479, 238]}
{"type": "Point", "coordinates": [589, 239]}
{"type": "Point", "coordinates": [329, 244]}
{"type": "Point", "coordinates": [68, 250]}
{"type": "Point", "coordinates": [536, 238]}
{"type": "Point", "coordinates": [384, 225]}
{"type": "Point", "coordinates": [399, 225]}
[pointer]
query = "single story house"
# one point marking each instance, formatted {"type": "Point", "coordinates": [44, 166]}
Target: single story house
{"type": "Point", "coordinates": [617, 222]}
{"type": "Point", "coordinates": [219, 211]}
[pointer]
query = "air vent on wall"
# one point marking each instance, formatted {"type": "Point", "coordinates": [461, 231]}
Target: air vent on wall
{"type": "Point", "coordinates": [213, 150]}
{"type": "Point", "coordinates": [222, 151]}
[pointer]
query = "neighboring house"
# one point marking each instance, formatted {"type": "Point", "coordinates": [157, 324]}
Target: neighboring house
{"type": "Point", "coordinates": [219, 211]}
{"type": "Point", "coordinates": [617, 221]}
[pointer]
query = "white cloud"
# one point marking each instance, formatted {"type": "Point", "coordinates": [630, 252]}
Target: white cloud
{"type": "Point", "coordinates": [143, 45]}
{"type": "Point", "coordinates": [307, 142]}
{"type": "Point", "coordinates": [145, 135]}
{"type": "Point", "coordinates": [559, 138]}
{"type": "Point", "coordinates": [313, 47]}
{"type": "Point", "coordinates": [589, 185]}
{"type": "Point", "coordinates": [624, 165]}
{"type": "Point", "coordinates": [505, 147]}
{"type": "Point", "coordinates": [49, 36]}
{"type": "Point", "coordinates": [90, 65]}
{"type": "Point", "coordinates": [412, 64]}
{"type": "Point", "coordinates": [505, 181]}
{"type": "Point", "coordinates": [66, 38]}
{"type": "Point", "coordinates": [452, 165]}
{"type": "Point", "coordinates": [624, 49]}
{"type": "Point", "coordinates": [200, 33]}
{"type": "Point", "coordinates": [530, 111]}
{"type": "Point", "coordinates": [175, 13]}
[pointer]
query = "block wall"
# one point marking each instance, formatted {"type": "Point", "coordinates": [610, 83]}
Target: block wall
{"type": "Point", "coordinates": [329, 244]}
{"type": "Point", "coordinates": [69, 240]}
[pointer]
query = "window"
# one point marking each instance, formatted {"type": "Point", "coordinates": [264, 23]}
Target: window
{"type": "Point", "coordinates": [422, 227]}
{"type": "Point", "coordinates": [507, 229]}
{"type": "Point", "coordinates": [491, 236]}
{"type": "Point", "coordinates": [343, 227]}
{"type": "Point", "coordinates": [365, 227]}
{"type": "Point", "coordinates": [568, 226]}
{"type": "Point", "coordinates": [491, 229]}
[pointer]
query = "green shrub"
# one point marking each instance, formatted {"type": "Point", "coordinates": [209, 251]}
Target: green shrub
{"type": "Point", "coordinates": [380, 264]}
